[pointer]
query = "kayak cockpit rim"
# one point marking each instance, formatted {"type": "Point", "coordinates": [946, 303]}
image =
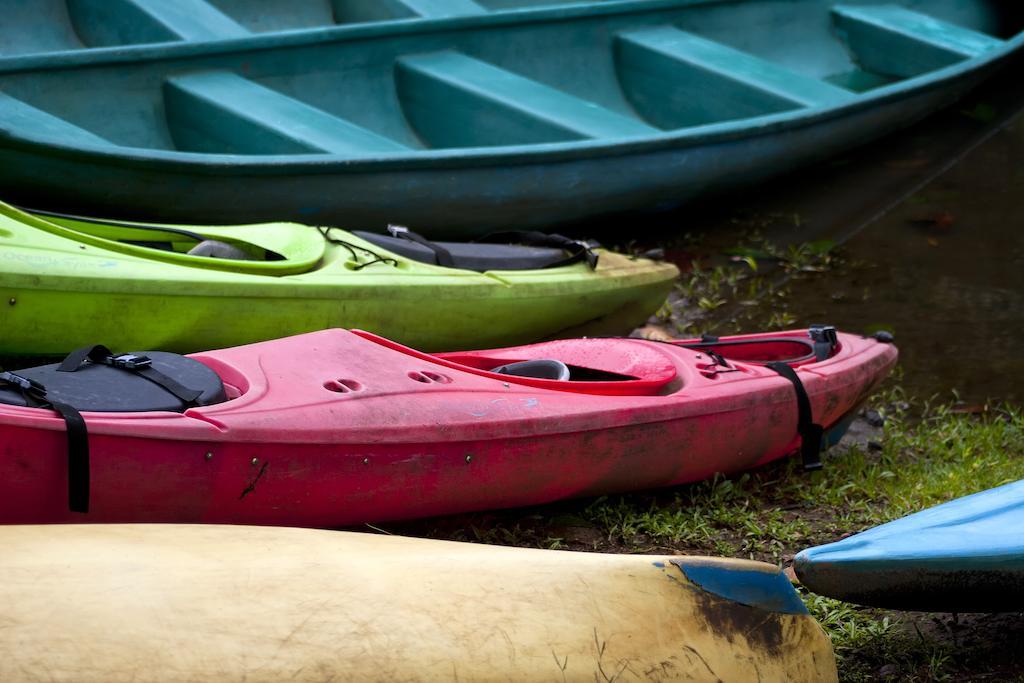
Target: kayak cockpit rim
{"type": "Point", "coordinates": [302, 250]}
{"type": "Point", "coordinates": [657, 374]}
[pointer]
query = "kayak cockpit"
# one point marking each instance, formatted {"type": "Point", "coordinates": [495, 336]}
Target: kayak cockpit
{"type": "Point", "coordinates": [265, 249]}
{"type": "Point", "coordinates": [629, 367]}
{"type": "Point", "coordinates": [499, 252]}
{"type": "Point", "coordinates": [291, 248]}
{"type": "Point", "coordinates": [613, 367]}
{"type": "Point", "coordinates": [794, 351]}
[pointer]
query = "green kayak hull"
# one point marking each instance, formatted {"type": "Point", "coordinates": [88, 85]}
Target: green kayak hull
{"type": "Point", "coordinates": [65, 283]}
{"type": "Point", "coordinates": [458, 121]}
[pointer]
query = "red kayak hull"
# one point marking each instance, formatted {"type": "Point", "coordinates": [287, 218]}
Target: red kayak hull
{"type": "Point", "coordinates": [337, 428]}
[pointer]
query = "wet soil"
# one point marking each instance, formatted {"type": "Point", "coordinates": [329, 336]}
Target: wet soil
{"type": "Point", "coordinates": [931, 228]}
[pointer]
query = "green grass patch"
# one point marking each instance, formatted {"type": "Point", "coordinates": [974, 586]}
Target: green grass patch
{"type": "Point", "coordinates": [926, 457]}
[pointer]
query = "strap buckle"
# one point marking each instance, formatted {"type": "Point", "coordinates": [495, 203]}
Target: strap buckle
{"type": "Point", "coordinates": [825, 338]}
{"type": "Point", "coordinates": [718, 358]}
{"type": "Point", "coordinates": [23, 383]}
{"type": "Point", "coordinates": [128, 361]}
{"type": "Point", "coordinates": [586, 250]}
{"type": "Point", "coordinates": [823, 333]}
{"type": "Point", "coordinates": [397, 230]}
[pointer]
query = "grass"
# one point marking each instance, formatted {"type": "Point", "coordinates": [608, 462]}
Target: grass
{"type": "Point", "coordinates": [924, 460]}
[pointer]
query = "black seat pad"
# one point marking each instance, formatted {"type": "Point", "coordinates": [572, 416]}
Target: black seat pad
{"type": "Point", "coordinates": [102, 388]}
{"type": "Point", "coordinates": [476, 256]}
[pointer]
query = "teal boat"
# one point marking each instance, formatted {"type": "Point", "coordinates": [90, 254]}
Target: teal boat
{"type": "Point", "coordinates": [457, 124]}
{"type": "Point", "coordinates": [964, 556]}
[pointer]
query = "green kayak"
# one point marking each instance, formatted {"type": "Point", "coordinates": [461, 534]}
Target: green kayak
{"type": "Point", "coordinates": [68, 281]}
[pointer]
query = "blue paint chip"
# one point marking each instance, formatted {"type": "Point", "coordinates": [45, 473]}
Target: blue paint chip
{"type": "Point", "coordinates": [769, 591]}
{"type": "Point", "coordinates": [659, 565]}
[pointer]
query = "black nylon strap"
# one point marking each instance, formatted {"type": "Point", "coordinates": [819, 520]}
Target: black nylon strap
{"type": "Point", "coordinates": [187, 396]}
{"type": "Point", "coordinates": [443, 256]}
{"type": "Point", "coordinates": [77, 437]}
{"type": "Point", "coordinates": [74, 360]}
{"type": "Point", "coordinates": [811, 434]}
{"type": "Point", "coordinates": [102, 355]}
{"type": "Point", "coordinates": [78, 456]}
{"type": "Point", "coordinates": [578, 250]}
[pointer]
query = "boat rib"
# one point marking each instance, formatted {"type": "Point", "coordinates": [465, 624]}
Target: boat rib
{"type": "Point", "coordinates": [667, 73]}
{"type": "Point", "coordinates": [891, 40]}
{"type": "Point", "coordinates": [219, 111]}
{"type": "Point", "coordinates": [454, 100]}
{"type": "Point", "coordinates": [115, 22]}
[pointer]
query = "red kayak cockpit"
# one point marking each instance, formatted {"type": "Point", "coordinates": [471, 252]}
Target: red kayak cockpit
{"type": "Point", "coordinates": [614, 367]}
{"type": "Point", "coordinates": [820, 343]}
{"type": "Point", "coordinates": [625, 366]}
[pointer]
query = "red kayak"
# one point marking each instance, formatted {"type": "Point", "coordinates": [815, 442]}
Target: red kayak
{"type": "Point", "coordinates": [339, 427]}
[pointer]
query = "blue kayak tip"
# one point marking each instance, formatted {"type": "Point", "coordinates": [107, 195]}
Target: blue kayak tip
{"type": "Point", "coordinates": [966, 555]}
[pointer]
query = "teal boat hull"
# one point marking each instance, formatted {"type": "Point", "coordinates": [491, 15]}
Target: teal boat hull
{"type": "Point", "coordinates": [460, 126]}
{"type": "Point", "coordinates": [964, 556]}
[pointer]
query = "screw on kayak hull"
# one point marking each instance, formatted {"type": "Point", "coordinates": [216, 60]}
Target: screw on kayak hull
{"type": "Point", "coordinates": [366, 461]}
{"type": "Point", "coordinates": [255, 461]}
{"type": "Point", "coordinates": [208, 456]}
{"type": "Point", "coordinates": [469, 458]}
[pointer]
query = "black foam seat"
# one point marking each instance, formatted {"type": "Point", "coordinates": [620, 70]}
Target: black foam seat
{"type": "Point", "coordinates": [477, 256]}
{"type": "Point", "coordinates": [103, 388]}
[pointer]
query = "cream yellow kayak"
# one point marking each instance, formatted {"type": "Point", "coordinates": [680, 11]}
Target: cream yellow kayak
{"type": "Point", "coordinates": [227, 603]}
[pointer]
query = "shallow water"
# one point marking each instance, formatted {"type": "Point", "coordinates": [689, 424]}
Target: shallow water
{"type": "Point", "coordinates": [932, 223]}
{"type": "Point", "coordinates": [944, 270]}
